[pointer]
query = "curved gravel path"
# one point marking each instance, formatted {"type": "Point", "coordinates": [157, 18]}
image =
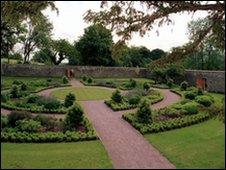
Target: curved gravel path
{"type": "Point", "coordinates": [126, 147]}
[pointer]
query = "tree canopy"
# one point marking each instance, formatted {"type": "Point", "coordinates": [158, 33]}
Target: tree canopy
{"type": "Point", "coordinates": [127, 17]}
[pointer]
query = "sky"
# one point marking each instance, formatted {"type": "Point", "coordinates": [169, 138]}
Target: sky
{"type": "Point", "coordinates": [69, 24]}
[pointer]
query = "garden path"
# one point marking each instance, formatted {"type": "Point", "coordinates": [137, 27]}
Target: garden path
{"type": "Point", "coordinates": [126, 147]}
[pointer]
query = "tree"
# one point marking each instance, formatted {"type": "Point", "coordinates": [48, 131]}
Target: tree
{"type": "Point", "coordinates": [75, 59]}
{"type": "Point", "coordinates": [37, 36]}
{"type": "Point", "coordinates": [126, 17]}
{"type": "Point", "coordinates": [15, 12]}
{"type": "Point", "coordinates": [95, 46]}
{"type": "Point", "coordinates": [43, 56]}
{"type": "Point", "coordinates": [157, 54]}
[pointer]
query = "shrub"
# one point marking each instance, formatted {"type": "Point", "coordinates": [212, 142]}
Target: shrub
{"type": "Point", "coordinates": [134, 99]}
{"type": "Point", "coordinates": [184, 85]}
{"type": "Point", "coordinates": [14, 92]}
{"type": "Point", "coordinates": [204, 100]}
{"type": "Point", "coordinates": [69, 100]}
{"type": "Point", "coordinates": [74, 116]}
{"type": "Point", "coordinates": [116, 96]}
{"type": "Point", "coordinates": [4, 97]}
{"type": "Point", "coordinates": [132, 83]}
{"type": "Point", "coordinates": [89, 80]}
{"type": "Point", "coordinates": [190, 95]}
{"type": "Point", "coordinates": [146, 86]}
{"type": "Point", "coordinates": [4, 121]}
{"type": "Point", "coordinates": [144, 112]}
{"type": "Point", "coordinates": [17, 82]}
{"type": "Point", "coordinates": [48, 122]}
{"type": "Point", "coordinates": [23, 87]}
{"type": "Point", "coordinates": [30, 126]}
{"type": "Point", "coordinates": [48, 103]}
{"type": "Point", "coordinates": [200, 91]}
{"type": "Point", "coordinates": [65, 80]}
{"type": "Point", "coordinates": [170, 82]}
{"type": "Point", "coordinates": [175, 72]}
{"type": "Point", "coordinates": [49, 80]}
{"type": "Point", "coordinates": [33, 98]}
{"type": "Point", "coordinates": [190, 108]}
{"type": "Point", "coordinates": [14, 116]}
{"type": "Point", "coordinates": [84, 78]}
{"type": "Point", "coordinates": [158, 75]}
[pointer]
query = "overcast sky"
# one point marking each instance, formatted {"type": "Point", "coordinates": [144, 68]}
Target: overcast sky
{"type": "Point", "coordinates": [69, 24]}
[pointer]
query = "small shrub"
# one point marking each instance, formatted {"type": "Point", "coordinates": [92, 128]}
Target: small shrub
{"type": "Point", "coordinates": [14, 92]}
{"type": "Point", "coordinates": [146, 86]}
{"type": "Point", "coordinates": [190, 95]}
{"type": "Point", "coordinates": [144, 112]}
{"type": "Point", "coordinates": [69, 100]}
{"type": "Point", "coordinates": [84, 78]}
{"type": "Point", "coordinates": [33, 98]}
{"type": "Point", "coordinates": [49, 103]}
{"type": "Point", "coordinates": [65, 80]}
{"type": "Point", "coordinates": [49, 80]}
{"type": "Point", "coordinates": [204, 100]}
{"type": "Point", "coordinates": [170, 82]}
{"type": "Point", "coordinates": [14, 116]}
{"type": "Point", "coordinates": [4, 121]}
{"type": "Point", "coordinates": [184, 85]}
{"type": "Point", "coordinates": [4, 97]}
{"type": "Point", "coordinates": [134, 99]}
{"type": "Point", "coordinates": [132, 83]}
{"type": "Point", "coordinates": [30, 126]}
{"type": "Point", "coordinates": [190, 108]}
{"type": "Point", "coordinates": [74, 116]}
{"type": "Point", "coordinates": [200, 91]}
{"type": "Point", "coordinates": [116, 96]}
{"type": "Point", "coordinates": [23, 87]}
{"type": "Point", "coordinates": [17, 82]}
{"type": "Point", "coordinates": [89, 80]}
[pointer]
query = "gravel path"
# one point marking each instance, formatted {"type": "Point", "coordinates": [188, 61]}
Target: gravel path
{"type": "Point", "coordinates": [126, 147]}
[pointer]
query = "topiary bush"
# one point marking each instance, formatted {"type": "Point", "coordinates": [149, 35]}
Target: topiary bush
{"type": "Point", "coordinates": [14, 91]}
{"type": "Point", "coordinates": [33, 98]}
{"type": "Point", "coordinates": [14, 116]}
{"type": "Point", "coordinates": [190, 108]}
{"type": "Point", "coordinates": [116, 96]}
{"type": "Point", "coordinates": [69, 100]}
{"type": "Point", "coordinates": [146, 86]}
{"type": "Point", "coordinates": [89, 80]}
{"type": "Point", "coordinates": [184, 85]}
{"type": "Point", "coordinates": [144, 112]}
{"type": "Point", "coordinates": [23, 87]}
{"type": "Point", "coordinates": [190, 95]}
{"type": "Point", "coordinates": [74, 116]}
{"type": "Point", "coordinates": [204, 100]}
{"type": "Point", "coordinates": [135, 99]}
{"type": "Point", "coordinates": [65, 80]}
{"type": "Point", "coordinates": [17, 82]}
{"type": "Point", "coordinates": [30, 126]}
{"type": "Point", "coordinates": [84, 78]}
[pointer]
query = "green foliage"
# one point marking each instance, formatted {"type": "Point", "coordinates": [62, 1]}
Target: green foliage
{"type": "Point", "coordinates": [190, 95]}
{"type": "Point", "coordinates": [204, 100]}
{"type": "Point", "coordinates": [132, 83]}
{"type": "Point", "coordinates": [49, 103]}
{"type": "Point", "coordinates": [30, 126]}
{"type": "Point", "coordinates": [33, 98]}
{"type": "Point", "coordinates": [84, 78]}
{"type": "Point", "coordinates": [5, 97]}
{"type": "Point", "coordinates": [90, 80]}
{"type": "Point", "coordinates": [74, 116]}
{"type": "Point", "coordinates": [14, 92]}
{"type": "Point", "coordinates": [190, 108]}
{"type": "Point", "coordinates": [146, 86]}
{"type": "Point", "coordinates": [17, 82]}
{"type": "Point", "coordinates": [116, 96]}
{"type": "Point", "coordinates": [144, 113]}
{"type": "Point", "coordinates": [23, 87]}
{"type": "Point", "coordinates": [200, 91]}
{"type": "Point", "coordinates": [95, 46]}
{"type": "Point", "coordinates": [134, 100]}
{"type": "Point", "coordinates": [14, 116]}
{"type": "Point", "coordinates": [75, 58]}
{"type": "Point", "coordinates": [184, 85]}
{"type": "Point", "coordinates": [43, 56]}
{"type": "Point", "coordinates": [4, 121]}
{"type": "Point", "coordinates": [170, 82]}
{"type": "Point", "coordinates": [65, 80]}
{"type": "Point", "coordinates": [69, 100]}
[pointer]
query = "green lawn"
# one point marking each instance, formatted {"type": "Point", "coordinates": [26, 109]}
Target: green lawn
{"type": "Point", "coordinates": [197, 146]}
{"type": "Point", "coordinates": [83, 93]}
{"type": "Point", "coordinates": [89, 154]}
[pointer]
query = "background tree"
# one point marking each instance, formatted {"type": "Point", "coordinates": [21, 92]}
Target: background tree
{"type": "Point", "coordinates": [157, 54]}
{"type": "Point", "coordinates": [43, 56]}
{"type": "Point", "coordinates": [127, 17]}
{"type": "Point", "coordinates": [37, 36]}
{"type": "Point", "coordinates": [95, 46]}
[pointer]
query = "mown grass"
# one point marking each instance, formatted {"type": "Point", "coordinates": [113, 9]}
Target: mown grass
{"type": "Point", "coordinates": [197, 146]}
{"type": "Point", "coordinates": [89, 154]}
{"type": "Point", "coordinates": [83, 93]}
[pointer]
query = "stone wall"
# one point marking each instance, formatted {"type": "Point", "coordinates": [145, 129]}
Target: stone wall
{"type": "Point", "coordinates": [58, 71]}
{"type": "Point", "coordinates": [215, 80]}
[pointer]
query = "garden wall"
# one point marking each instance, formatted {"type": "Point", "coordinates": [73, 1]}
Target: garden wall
{"type": "Point", "coordinates": [215, 80]}
{"type": "Point", "coordinates": [58, 71]}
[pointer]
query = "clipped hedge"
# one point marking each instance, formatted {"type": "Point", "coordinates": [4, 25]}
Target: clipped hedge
{"type": "Point", "coordinates": [165, 125]}
{"type": "Point", "coordinates": [119, 106]}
